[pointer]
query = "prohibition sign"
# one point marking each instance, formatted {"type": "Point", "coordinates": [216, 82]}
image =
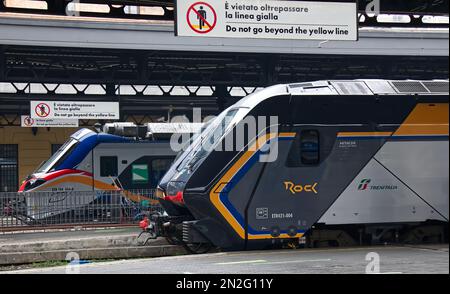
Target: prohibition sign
{"type": "Point", "coordinates": [28, 121]}
{"type": "Point", "coordinates": [199, 14]}
{"type": "Point", "coordinates": [42, 110]}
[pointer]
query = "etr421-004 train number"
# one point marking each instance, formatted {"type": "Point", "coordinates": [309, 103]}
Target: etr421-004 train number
{"type": "Point", "coordinates": [282, 215]}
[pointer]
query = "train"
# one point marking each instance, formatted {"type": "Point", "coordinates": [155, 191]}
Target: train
{"type": "Point", "coordinates": [324, 163]}
{"type": "Point", "coordinates": [121, 157]}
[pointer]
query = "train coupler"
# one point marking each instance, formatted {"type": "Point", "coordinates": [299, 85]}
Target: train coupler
{"type": "Point", "coordinates": [161, 226]}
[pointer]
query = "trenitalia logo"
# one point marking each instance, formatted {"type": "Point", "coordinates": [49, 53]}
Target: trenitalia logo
{"type": "Point", "coordinates": [363, 185]}
{"type": "Point", "coordinates": [294, 189]}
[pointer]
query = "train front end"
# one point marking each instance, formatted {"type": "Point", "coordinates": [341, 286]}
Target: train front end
{"type": "Point", "coordinates": [67, 172]}
{"type": "Point", "coordinates": [194, 191]}
{"type": "Point", "coordinates": [50, 175]}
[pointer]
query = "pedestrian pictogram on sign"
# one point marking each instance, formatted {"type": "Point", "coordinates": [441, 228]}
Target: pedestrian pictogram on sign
{"type": "Point", "coordinates": [28, 121]}
{"type": "Point", "coordinates": [42, 110]}
{"type": "Point", "coordinates": [201, 17]}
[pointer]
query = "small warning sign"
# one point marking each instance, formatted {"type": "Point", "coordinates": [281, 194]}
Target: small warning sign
{"type": "Point", "coordinates": [201, 17]}
{"type": "Point", "coordinates": [28, 122]}
{"type": "Point", "coordinates": [42, 110]}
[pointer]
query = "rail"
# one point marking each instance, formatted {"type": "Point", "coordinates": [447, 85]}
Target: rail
{"type": "Point", "coordinates": [23, 211]}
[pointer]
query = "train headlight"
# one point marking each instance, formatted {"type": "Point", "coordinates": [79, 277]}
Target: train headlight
{"type": "Point", "coordinates": [34, 183]}
{"type": "Point", "coordinates": [174, 187]}
{"type": "Point", "coordinates": [175, 192]}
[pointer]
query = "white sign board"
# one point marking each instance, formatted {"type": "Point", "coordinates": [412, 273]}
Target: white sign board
{"type": "Point", "coordinates": [264, 19]}
{"type": "Point", "coordinates": [74, 110]}
{"type": "Point", "coordinates": [28, 122]}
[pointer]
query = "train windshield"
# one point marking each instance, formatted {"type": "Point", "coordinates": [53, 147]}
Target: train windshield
{"type": "Point", "coordinates": [58, 157]}
{"type": "Point", "coordinates": [211, 135]}
{"type": "Point", "coordinates": [194, 138]}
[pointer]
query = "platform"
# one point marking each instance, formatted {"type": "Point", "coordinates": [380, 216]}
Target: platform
{"type": "Point", "coordinates": [393, 260]}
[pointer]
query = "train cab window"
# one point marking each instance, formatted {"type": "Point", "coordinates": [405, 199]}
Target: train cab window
{"type": "Point", "coordinates": [58, 157]}
{"type": "Point", "coordinates": [305, 150]}
{"type": "Point", "coordinates": [108, 166]}
{"type": "Point", "coordinates": [159, 168]}
{"type": "Point", "coordinates": [309, 147]}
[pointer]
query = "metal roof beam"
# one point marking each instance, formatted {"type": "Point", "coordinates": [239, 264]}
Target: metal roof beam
{"type": "Point", "coordinates": [159, 36]}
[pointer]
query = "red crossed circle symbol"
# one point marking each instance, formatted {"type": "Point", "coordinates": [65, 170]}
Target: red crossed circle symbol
{"type": "Point", "coordinates": [193, 10]}
{"type": "Point", "coordinates": [28, 121]}
{"type": "Point", "coordinates": [42, 110]}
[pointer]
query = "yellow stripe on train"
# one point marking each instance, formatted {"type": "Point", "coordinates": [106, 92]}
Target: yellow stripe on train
{"type": "Point", "coordinates": [218, 188]}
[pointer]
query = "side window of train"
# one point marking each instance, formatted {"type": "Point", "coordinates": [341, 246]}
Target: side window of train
{"type": "Point", "coordinates": [305, 149]}
{"type": "Point", "coordinates": [159, 168]}
{"type": "Point", "coordinates": [310, 147]}
{"type": "Point", "coordinates": [108, 166]}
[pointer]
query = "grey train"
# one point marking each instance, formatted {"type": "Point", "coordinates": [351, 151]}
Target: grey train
{"type": "Point", "coordinates": [355, 162]}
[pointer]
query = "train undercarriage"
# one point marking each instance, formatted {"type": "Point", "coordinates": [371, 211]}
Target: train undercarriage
{"type": "Point", "coordinates": [180, 230]}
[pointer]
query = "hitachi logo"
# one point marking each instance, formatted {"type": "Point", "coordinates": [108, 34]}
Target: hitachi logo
{"type": "Point", "coordinates": [294, 189]}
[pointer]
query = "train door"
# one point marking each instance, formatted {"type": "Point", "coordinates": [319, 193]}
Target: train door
{"type": "Point", "coordinates": [287, 197]}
